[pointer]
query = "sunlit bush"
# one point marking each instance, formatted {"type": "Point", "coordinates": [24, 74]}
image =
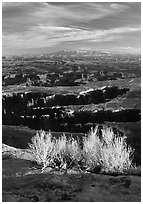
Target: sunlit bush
{"type": "Point", "coordinates": [109, 151]}
{"type": "Point", "coordinates": [60, 152]}
{"type": "Point", "coordinates": [92, 149]}
{"type": "Point", "coordinates": [116, 156]}
{"type": "Point", "coordinates": [68, 151]}
{"type": "Point", "coordinates": [42, 148]}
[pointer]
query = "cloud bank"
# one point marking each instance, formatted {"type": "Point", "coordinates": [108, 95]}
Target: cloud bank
{"type": "Point", "coordinates": [30, 25]}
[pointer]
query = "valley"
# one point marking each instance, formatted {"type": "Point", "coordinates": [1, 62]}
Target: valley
{"type": "Point", "coordinates": [70, 93]}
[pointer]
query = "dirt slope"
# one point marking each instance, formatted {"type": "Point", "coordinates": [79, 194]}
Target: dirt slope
{"type": "Point", "coordinates": [22, 182]}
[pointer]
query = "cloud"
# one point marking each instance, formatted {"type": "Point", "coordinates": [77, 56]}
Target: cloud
{"type": "Point", "coordinates": [48, 36]}
{"type": "Point", "coordinates": [20, 17]}
{"type": "Point", "coordinates": [120, 7]}
{"type": "Point", "coordinates": [40, 24]}
{"type": "Point", "coordinates": [127, 50]}
{"type": "Point", "coordinates": [98, 35]}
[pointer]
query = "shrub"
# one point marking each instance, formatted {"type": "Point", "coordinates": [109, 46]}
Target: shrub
{"type": "Point", "coordinates": [47, 151]}
{"type": "Point", "coordinates": [109, 151]}
{"type": "Point", "coordinates": [92, 149]}
{"type": "Point", "coordinates": [116, 156]}
{"type": "Point", "coordinates": [43, 149]}
{"type": "Point", "coordinates": [68, 151]}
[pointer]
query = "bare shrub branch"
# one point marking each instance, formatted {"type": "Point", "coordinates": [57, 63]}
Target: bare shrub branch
{"type": "Point", "coordinates": [109, 151]}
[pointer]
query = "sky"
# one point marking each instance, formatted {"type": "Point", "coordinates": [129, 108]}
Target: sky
{"type": "Point", "coordinates": [40, 27]}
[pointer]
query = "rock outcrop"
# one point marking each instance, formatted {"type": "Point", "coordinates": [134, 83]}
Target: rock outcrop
{"type": "Point", "coordinates": [51, 112]}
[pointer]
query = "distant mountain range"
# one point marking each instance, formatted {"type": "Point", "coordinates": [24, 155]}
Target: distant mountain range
{"type": "Point", "coordinates": [75, 53]}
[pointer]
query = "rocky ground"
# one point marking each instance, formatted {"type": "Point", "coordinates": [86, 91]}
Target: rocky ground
{"type": "Point", "coordinates": [22, 182]}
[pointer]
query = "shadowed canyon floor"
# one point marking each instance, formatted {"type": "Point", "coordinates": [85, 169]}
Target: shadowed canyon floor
{"type": "Point", "coordinates": [66, 112]}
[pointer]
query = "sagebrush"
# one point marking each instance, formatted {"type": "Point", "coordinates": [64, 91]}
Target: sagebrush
{"type": "Point", "coordinates": [92, 149]}
{"type": "Point", "coordinates": [109, 151]}
{"type": "Point", "coordinates": [43, 148]}
{"type": "Point", "coordinates": [116, 156]}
